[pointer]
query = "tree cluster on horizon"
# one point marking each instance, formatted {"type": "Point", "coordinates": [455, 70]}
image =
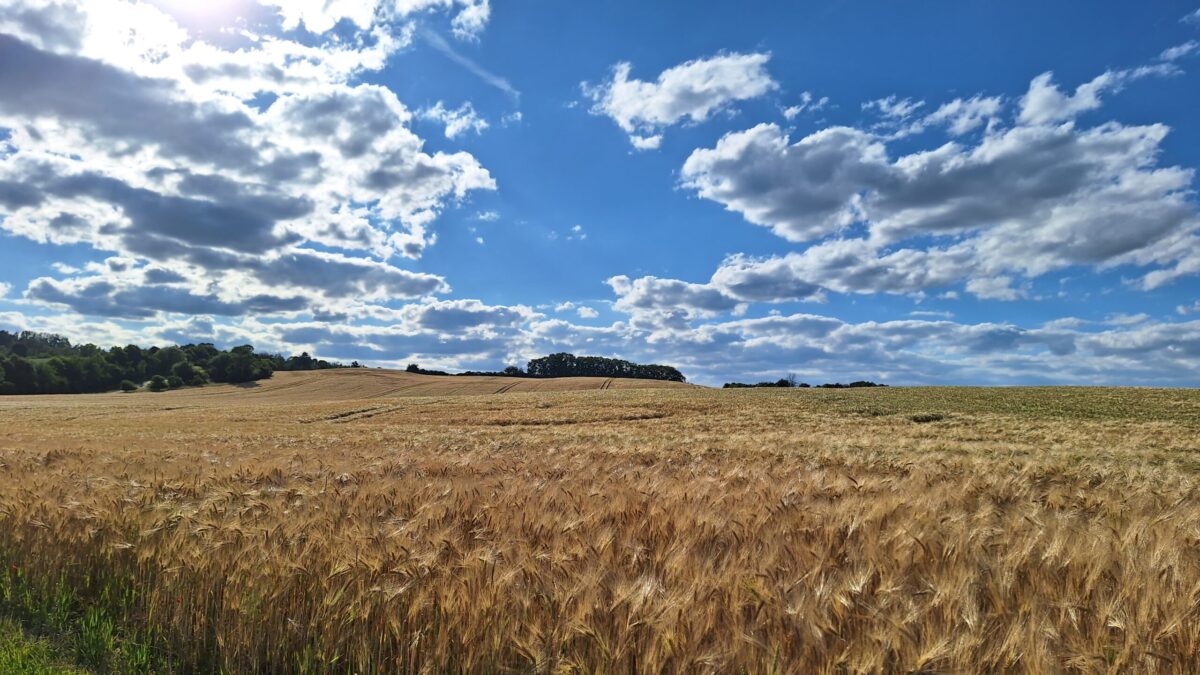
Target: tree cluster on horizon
{"type": "Point", "coordinates": [790, 381]}
{"type": "Point", "coordinates": [44, 363]}
{"type": "Point", "coordinates": [563, 364]}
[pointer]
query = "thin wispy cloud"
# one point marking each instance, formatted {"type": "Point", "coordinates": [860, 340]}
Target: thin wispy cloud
{"type": "Point", "coordinates": [439, 43]}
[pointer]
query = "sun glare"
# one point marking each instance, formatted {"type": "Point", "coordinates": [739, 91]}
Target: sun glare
{"type": "Point", "coordinates": [204, 13]}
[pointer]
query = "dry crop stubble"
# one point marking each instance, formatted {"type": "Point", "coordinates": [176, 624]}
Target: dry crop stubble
{"type": "Point", "coordinates": [675, 530]}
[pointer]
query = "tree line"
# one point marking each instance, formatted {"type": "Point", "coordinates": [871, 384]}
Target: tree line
{"type": "Point", "coordinates": [790, 381]}
{"type": "Point", "coordinates": [44, 363]}
{"type": "Point", "coordinates": [569, 365]}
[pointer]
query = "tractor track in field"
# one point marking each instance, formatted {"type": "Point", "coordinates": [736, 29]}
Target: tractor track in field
{"type": "Point", "coordinates": [506, 388]}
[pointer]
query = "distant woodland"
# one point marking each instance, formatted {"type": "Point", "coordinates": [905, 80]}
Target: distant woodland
{"type": "Point", "coordinates": [569, 365]}
{"type": "Point", "coordinates": [43, 363]}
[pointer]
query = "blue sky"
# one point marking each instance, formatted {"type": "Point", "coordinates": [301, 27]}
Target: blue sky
{"type": "Point", "coordinates": [944, 192]}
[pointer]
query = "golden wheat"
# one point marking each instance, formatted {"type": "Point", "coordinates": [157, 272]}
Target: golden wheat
{"type": "Point", "coordinates": [676, 530]}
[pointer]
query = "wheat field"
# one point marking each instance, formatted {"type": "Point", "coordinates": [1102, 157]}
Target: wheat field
{"type": "Point", "coordinates": [623, 530]}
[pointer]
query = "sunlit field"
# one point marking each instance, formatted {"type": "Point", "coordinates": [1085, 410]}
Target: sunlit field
{"type": "Point", "coordinates": [680, 529]}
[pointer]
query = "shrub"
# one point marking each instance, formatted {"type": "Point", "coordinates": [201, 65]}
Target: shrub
{"type": "Point", "coordinates": [129, 385]}
{"type": "Point", "coordinates": [174, 382]}
{"type": "Point", "coordinates": [158, 383]}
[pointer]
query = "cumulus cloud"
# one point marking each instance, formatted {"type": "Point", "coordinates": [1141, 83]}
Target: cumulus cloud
{"type": "Point", "coordinates": [55, 25]}
{"type": "Point", "coordinates": [458, 316]}
{"type": "Point", "coordinates": [300, 280]}
{"type": "Point", "coordinates": [808, 103]}
{"type": "Point", "coordinates": [458, 120]}
{"type": "Point", "coordinates": [340, 276]}
{"type": "Point", "coordinates": [97, 297]}
{"type": "Point", "coordinates": [893, 107]}
{"type": "Point", "coordinates": [823, 348]}
{"type": "Point", "coordinates": [320, 16]}
{"type": "Point", "coordinates": [1026, 199]}
{"type": "Point", "coordinates": [994, 288]}
{"type": "Point", "coordinates": [652, 293]}
{"type": "Point", "coordinates": [962, 116]}
{"type": "Point", "coordinates": [157, 276]}
{"type": "Point", "coordinates": [1045, 103]}
{"type": "Point", "coordinates": [801, 191]}
{"type": "Point", "coordinates": [693, 90]}
{"type": "Point", "coordinates": [454, 333]}
{"type": "Point", "coordinates": [129, 134]}
{"type": "Point", "coordinates": [840, 265]}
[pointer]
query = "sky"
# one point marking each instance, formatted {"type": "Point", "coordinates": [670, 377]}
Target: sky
{"type": "Point", "coordinates": [945, 192]}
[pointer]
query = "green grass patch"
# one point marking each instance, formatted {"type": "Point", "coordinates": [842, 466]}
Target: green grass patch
{"type": "Point", "coordinates": [24, 654]}
{"type": "Point", "coordinates": [91, 625]}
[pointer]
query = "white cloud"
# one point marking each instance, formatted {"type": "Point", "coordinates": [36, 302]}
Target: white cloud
{"type": "Point", "coordinates": [962, 116]}
{"type": "Point", "coordinates": [1180, 51]}
{"type": "Point", "coordinates": [1194, 17]}
{"type": "Point", "coordinates": [646, 142]}
{"type": "Point", "coordinates": [1185, 310]}
{"type": "Point", "coordinates": [912, 351]}
{"type": "Point", "coordinates": [456, 316]}
{"type": "Point", "coordinates": [4, 289]}
{"type": "Point", "coordinates": [759, 174]}
{"type": "Point", "coordinates": [320, 16]}
{"type": "Point", "coordinates": [693, 90]}
{"type": "Point", "coordinates": [1126, 319]}
{"type": "Point", "coordinates": [651, 294]}
{"type": "Point", "coordinates": [457, 121]}
{"type": "Point", "coordinates": [808, 103]}
{"type": "Point", "coordinates": [172, 160]}
{"type": "Point", "coordinates": [1045, 103]}
{"type": "Point", "coordinates": [1030, 197]}
{"type": "Point", "coordinates": [587, 313]}
{"type": "Point", "coordinates": [840, 265]}
{"type": "Point", "coordinates": [994, 288]}
{"type": "Point", "coordinates": [1024, 200]}
{"type": "Point", "coordinates": [894, 108]}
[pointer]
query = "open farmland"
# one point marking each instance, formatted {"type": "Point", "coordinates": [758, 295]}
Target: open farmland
{"type": "Point", "coordinates": [359, 521]}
